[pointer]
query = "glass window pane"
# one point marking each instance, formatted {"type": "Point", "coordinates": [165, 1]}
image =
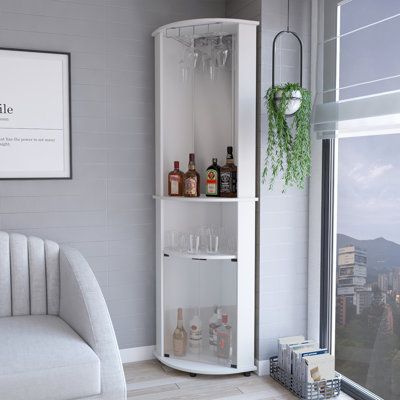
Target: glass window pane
{"type": "Point", "coordinates": [368, 55]}
{"type": "Point", "coordinates": [359, 13]}
{"type": "Point", "coordinates": [368, 263]}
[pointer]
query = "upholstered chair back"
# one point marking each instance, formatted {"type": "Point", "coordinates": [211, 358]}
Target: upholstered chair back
{"type": "Point", "coordinates": [29, 276]}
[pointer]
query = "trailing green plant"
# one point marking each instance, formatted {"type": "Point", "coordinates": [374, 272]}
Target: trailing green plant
{"type": "Point", "coordinates": [289, 147]}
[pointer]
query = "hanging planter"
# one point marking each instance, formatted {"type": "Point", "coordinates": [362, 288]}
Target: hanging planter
{"type": "Point", "coordinates": [293, 98]}
{"type": "Point", "coordinates": [289, 146]}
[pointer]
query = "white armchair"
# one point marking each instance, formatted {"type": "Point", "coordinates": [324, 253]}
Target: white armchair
{"type": "Point", "coordinates": [57, 341]}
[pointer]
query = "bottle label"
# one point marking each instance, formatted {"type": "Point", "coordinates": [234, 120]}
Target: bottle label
{"type": "Point", "coordinates": [212, 182]}
{"type": "Point", "coordinates": [191, 186]}
{"type": "Point", "coordinates": [226, 182]}
{"type": "Point", "coordinates": [223, 345]}
{"type": "Point", "coordinates": [174, 180]}
{"type": "Point", "coordinates": [234, 181]}
{"type": "Point", "coordinates": [179, 347]}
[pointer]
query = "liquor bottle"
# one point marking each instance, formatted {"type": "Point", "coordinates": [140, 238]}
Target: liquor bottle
{"type": "Point", "coordinates": [175, 181]}
{"type": "Point", "coordinates": [195, 334]}
{"type": "Point", "coordinates": [179, 336]}
{"type": "Point", "coordinates": [224, 339]}
{"type": "Point", "coordinates": [191, 179]}
{"type": "Point", "coordinates": [228, 176]}
{"type": "Point", "coordinates": [212, 179]}
{"type": "Point", "coordinates": [213, 324]}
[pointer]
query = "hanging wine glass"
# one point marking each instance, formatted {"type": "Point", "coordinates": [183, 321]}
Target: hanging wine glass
{"type": "Point", "coordinates": [191, 55]}
{"type": "Point", "coordinates": [209, 66]}
{"type": "Point", "coordinates": [183, 71]}
{"type": "Point", "coordinates": [220, 52]}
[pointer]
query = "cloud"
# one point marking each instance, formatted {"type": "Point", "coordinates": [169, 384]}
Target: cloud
{"type": "Point", "coordinates": [378, 170]}
{"type": "Point", "coordinates": [360, 175]}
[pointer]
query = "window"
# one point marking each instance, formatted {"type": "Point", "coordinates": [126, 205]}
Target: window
{"type": "Point", "coordinates": [367, 331]}
{"type": "Point", "coordinates": [358, 117]}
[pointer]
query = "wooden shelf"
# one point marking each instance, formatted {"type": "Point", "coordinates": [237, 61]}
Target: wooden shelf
{"type": "Point", "coordinates": [205, 199]}
{"type": "Point", "coordinates": [200, 256]}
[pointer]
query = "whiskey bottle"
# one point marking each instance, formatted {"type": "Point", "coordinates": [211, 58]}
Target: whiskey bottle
{"type": "Point", "coordinates": [191, 179]}
{"type": "Point", "coordinates": [175, 181]}
{"type": "Point", "coordinates": [228, 176]}
{"type": "Point", "coordinates": [179, 336]}
{"type": "Point", "coordinates": [224, 340]}
{"type": "Point", "coordinates": [212, 179]}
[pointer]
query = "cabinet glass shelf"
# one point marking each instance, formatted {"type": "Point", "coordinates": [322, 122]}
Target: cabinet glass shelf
{"type": "Point", "coordinates": [204, 199]}
{"type": "Point", "coordinates": [200, 256]}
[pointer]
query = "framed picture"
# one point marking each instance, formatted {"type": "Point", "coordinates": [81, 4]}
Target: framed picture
{"type": "Point", "coordinates": [35, 115]}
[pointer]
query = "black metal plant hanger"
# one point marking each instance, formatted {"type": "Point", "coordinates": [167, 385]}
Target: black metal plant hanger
{"type": "Point", "coordinates": [287, 30]}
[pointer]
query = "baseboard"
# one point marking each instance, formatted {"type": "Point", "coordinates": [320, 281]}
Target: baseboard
{"type": "Point", "coordinates": [135, 354]}
{"type": "Point", "coordinates": [262, 367]}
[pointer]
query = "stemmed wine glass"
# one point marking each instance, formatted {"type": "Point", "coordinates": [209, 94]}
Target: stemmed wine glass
{"type": "Point", "coordinates": [220, 52]}
{"type": "Point", "coordinates": [191, 55]}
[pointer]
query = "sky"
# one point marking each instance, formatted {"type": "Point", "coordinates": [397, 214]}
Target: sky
{"type": "Point", "coordinates": [369, 187]}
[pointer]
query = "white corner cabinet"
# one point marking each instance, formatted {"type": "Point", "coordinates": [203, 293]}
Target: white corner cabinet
{"type": "Point", "coordinates": [202, 109]}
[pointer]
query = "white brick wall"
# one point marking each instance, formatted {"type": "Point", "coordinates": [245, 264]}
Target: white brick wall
{"type": "Point", "coordinates": [283, 218]}
{"type": "Point", "coordinates": [106, 211]}
{"type": "Point", "coordinates": [282, 242]}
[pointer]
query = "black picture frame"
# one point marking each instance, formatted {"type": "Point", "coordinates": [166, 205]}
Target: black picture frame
{"type": "Point", "coordinates": [69, 104]}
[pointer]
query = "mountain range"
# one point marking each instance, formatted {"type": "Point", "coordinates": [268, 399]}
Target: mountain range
{"type": "Point", "coordinates": [382, 255]}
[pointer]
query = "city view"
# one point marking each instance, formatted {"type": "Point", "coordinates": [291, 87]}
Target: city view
{"type": "Point", "coordinates": [368, 264]}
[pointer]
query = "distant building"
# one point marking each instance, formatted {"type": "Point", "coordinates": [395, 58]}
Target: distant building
{"type": "Point", "coordinates": [383, 282]}
{"type": "Point", "coordinates": [352, 272]}
{"type": "Point", "coordinates": [364, 300]}
{"type": "Point", "coordinates": [396, 280]}
{"type": "Point", "coordinates": [341, 308]}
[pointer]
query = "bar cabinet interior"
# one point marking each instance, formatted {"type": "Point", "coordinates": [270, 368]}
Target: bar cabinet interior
{"type": "Point", "coordinates": [202, 111]}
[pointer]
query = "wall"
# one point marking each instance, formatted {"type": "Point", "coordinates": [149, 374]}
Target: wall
{"type": "Point", "coordinates": [107, 210]}
{"type": "Point", "coordinates": [283, 217]}
{"type": "Point", "coordinates": [282, 246]}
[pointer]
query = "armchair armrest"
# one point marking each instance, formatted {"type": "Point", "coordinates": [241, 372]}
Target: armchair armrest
{"type": "Point", "coordinates": [82, 306]}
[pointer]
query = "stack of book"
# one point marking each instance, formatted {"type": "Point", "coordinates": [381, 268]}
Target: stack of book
{"type": "Point", "coordinates": [304, 360]}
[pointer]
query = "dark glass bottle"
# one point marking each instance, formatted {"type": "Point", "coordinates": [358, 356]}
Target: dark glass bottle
{"type": "Point", "coordinates": [191, 179]}
{"type": "Point", "coordinates": [228, 176]}
{"type": "Point", "coordinates": [212, 179]}
{"type": "Point", "coordinates": [175, 181]}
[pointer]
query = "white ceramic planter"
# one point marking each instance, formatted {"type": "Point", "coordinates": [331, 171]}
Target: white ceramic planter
{"type": "Point", "coordinates": [293, 104]}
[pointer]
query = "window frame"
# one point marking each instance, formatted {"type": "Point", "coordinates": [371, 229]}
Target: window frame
{"type": "Point", "coordinates": [328, 263]}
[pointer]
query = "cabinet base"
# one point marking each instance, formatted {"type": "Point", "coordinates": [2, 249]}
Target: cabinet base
{"type": "Point", "coordinates": [194, 367]}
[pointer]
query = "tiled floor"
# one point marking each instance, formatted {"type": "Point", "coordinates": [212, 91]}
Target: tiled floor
{"type": "Point", "coordinates": [150, 380]}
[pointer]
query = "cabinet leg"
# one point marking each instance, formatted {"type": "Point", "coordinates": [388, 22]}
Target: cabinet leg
{"type": "Point", "coordinates": [192, 375]}
{"type": "Point", "coordinates": [247, 374]}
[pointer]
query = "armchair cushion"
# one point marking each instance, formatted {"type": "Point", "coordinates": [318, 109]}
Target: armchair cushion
{"type": "Point", "coordinates": [43, 358]}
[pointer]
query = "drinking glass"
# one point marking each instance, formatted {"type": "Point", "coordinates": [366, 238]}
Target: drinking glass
{"type": "Point", "coordinates": [193, 243]}
{"type": "Point", "coordinates": [213, 243]}
{"type": "Point", "coordinates": [172, 240]}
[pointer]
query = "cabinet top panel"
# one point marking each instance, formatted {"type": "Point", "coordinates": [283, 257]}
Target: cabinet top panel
{"type": "Point", "coordinates": [204, 22]}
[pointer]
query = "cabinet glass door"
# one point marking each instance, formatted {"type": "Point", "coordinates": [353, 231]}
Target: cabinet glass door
{"type": "Point", "coordinates": [206, 293]}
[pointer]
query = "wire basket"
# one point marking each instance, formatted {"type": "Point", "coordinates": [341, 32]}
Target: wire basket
{"type": "Point", "coordinates": [325, 389]}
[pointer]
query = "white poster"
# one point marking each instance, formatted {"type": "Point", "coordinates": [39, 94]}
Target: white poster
{"type": "Point", "coordinates": [34, 115]}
